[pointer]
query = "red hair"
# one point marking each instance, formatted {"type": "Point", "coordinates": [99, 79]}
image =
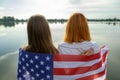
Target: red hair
{"type": "Point", "coordinates": [77, 29]}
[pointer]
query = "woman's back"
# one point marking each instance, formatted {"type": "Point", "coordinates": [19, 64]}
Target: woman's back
{"type": "Point", "coordinates": [77, 38]}
{"type": "Point", "coordinates": [77, 48]}
{"type": "Point", "coordinates": [30, 65]}
{"type": "Point", "coordinates": [34, 66]}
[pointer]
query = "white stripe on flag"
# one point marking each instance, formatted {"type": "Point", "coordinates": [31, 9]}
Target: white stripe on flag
{"type": "Point", "coordinates": [63, 64]}
{"type": "Point", "coordinates": [74, 77]}
{"type": "Point", "coordinates": [103, 50]}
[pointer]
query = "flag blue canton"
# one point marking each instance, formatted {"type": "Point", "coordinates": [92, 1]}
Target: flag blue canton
{"type": "Point", "coordinates": [34, 67]}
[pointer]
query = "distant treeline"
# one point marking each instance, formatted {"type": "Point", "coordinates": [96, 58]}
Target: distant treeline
{"type": "Point", "coordinates": [109, 19]}
{"type": "Point", "coordinates": [9, 21]}
{"type": "Point", "coordinates": [12, 19]}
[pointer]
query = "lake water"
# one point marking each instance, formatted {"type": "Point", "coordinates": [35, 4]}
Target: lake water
{"type": "Point", "coordinates": [13, 37]}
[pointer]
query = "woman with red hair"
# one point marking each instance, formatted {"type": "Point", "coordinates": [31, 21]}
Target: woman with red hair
{"type": "Point", "coordinates": [77, 38]}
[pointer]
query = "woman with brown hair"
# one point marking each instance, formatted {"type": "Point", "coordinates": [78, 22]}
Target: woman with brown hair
{"type": "Point", "coordinates": [35, 59]}
{"type": "Point", "coordinates": [77, 38]}
{"type": "Point", "coordinates": [39, 36]}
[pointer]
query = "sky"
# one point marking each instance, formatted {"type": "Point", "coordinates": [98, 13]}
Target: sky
{"type": "Point", "coordinates": [92, 9]}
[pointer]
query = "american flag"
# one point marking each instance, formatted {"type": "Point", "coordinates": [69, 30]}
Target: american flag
{"type": "Point", "coordinates": [38, 66]}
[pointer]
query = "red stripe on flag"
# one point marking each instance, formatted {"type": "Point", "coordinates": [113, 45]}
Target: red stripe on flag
{"type": "Point", "coordinates": [79, 70]}
{"type": "Point", "coordinates": [64, 57]}
{"type": "Point", "coordinates": [94, 76]}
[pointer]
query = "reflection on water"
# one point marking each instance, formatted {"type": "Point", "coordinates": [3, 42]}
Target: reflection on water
{"type": "Point", "coordinates": [11, 39]}
{"type": "Point", "coordinates": [10, 24]}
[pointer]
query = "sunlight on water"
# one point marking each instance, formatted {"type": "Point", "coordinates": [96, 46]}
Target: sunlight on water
{"type": "Point", "coordinates": [7, 55]}
{"type": "Point", "coordinates": [12, 38]}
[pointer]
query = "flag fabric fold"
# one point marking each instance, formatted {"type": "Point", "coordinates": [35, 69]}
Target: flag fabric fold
{"type": "Point", "coordinates": [40, 66]}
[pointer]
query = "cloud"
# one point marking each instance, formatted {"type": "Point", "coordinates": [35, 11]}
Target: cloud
{"type": "Point", "coordinates": [60, 8]}
{"type": "Point", "coordinates": [2, 8]}
{"type": "Point", "coordinates": [95, 8]}
{"type": "Point", "coordinates": [74, 2]}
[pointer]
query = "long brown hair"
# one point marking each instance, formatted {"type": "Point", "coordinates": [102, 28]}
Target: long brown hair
{"type": "Point", "coordinates": [39, 35]}
{"type": "Point", "coordinates": [77, 29]}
